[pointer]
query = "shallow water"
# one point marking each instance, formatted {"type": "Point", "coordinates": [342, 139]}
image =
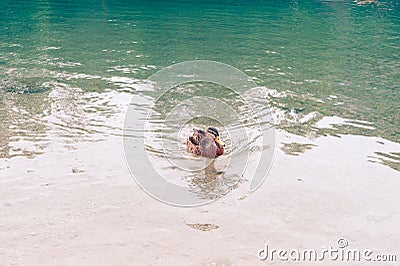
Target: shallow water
{"type": "Point", "coordinates": [68, 70]}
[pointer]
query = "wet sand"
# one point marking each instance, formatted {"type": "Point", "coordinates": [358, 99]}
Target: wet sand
{"type": "Point", "coordinates": [82, 207]}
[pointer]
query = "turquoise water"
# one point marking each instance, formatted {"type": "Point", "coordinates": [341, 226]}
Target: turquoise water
{"type": "Point", "coordinates": [59, 61]}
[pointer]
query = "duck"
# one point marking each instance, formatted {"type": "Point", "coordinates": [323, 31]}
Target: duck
{"type": "Point", "coordinates": [205, 143]}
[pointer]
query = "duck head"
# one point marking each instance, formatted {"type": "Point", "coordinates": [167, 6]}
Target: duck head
{"type": "Point", "coordinates": [213, 133]}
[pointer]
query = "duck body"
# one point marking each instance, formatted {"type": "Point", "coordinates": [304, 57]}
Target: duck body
{"type": "Point", "coordinates": [205, 143]}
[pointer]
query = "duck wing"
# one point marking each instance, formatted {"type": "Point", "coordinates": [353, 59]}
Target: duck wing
{"type": "Point", "coordinates": [197, 136]}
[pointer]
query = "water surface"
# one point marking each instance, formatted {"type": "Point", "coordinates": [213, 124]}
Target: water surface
{"type": "Point", "coordinates": [68, 69]}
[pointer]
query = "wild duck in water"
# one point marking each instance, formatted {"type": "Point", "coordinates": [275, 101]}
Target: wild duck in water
{"type": "Point", "coordinates": [205, 143]}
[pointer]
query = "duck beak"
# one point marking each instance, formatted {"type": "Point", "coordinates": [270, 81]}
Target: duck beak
{"type": "Point", "coordinates": [220, 142]}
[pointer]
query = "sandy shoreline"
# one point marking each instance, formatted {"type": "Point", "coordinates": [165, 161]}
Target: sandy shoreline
{"type": "Point", "coordinates": [96, 214]}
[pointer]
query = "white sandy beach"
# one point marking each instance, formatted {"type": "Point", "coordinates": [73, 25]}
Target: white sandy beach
{"type": "Point", "coordinates": [83, 208]}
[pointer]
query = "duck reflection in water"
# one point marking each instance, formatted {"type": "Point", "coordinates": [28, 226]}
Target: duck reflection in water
{"type": "Point", "coordinates": [209, 183]}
